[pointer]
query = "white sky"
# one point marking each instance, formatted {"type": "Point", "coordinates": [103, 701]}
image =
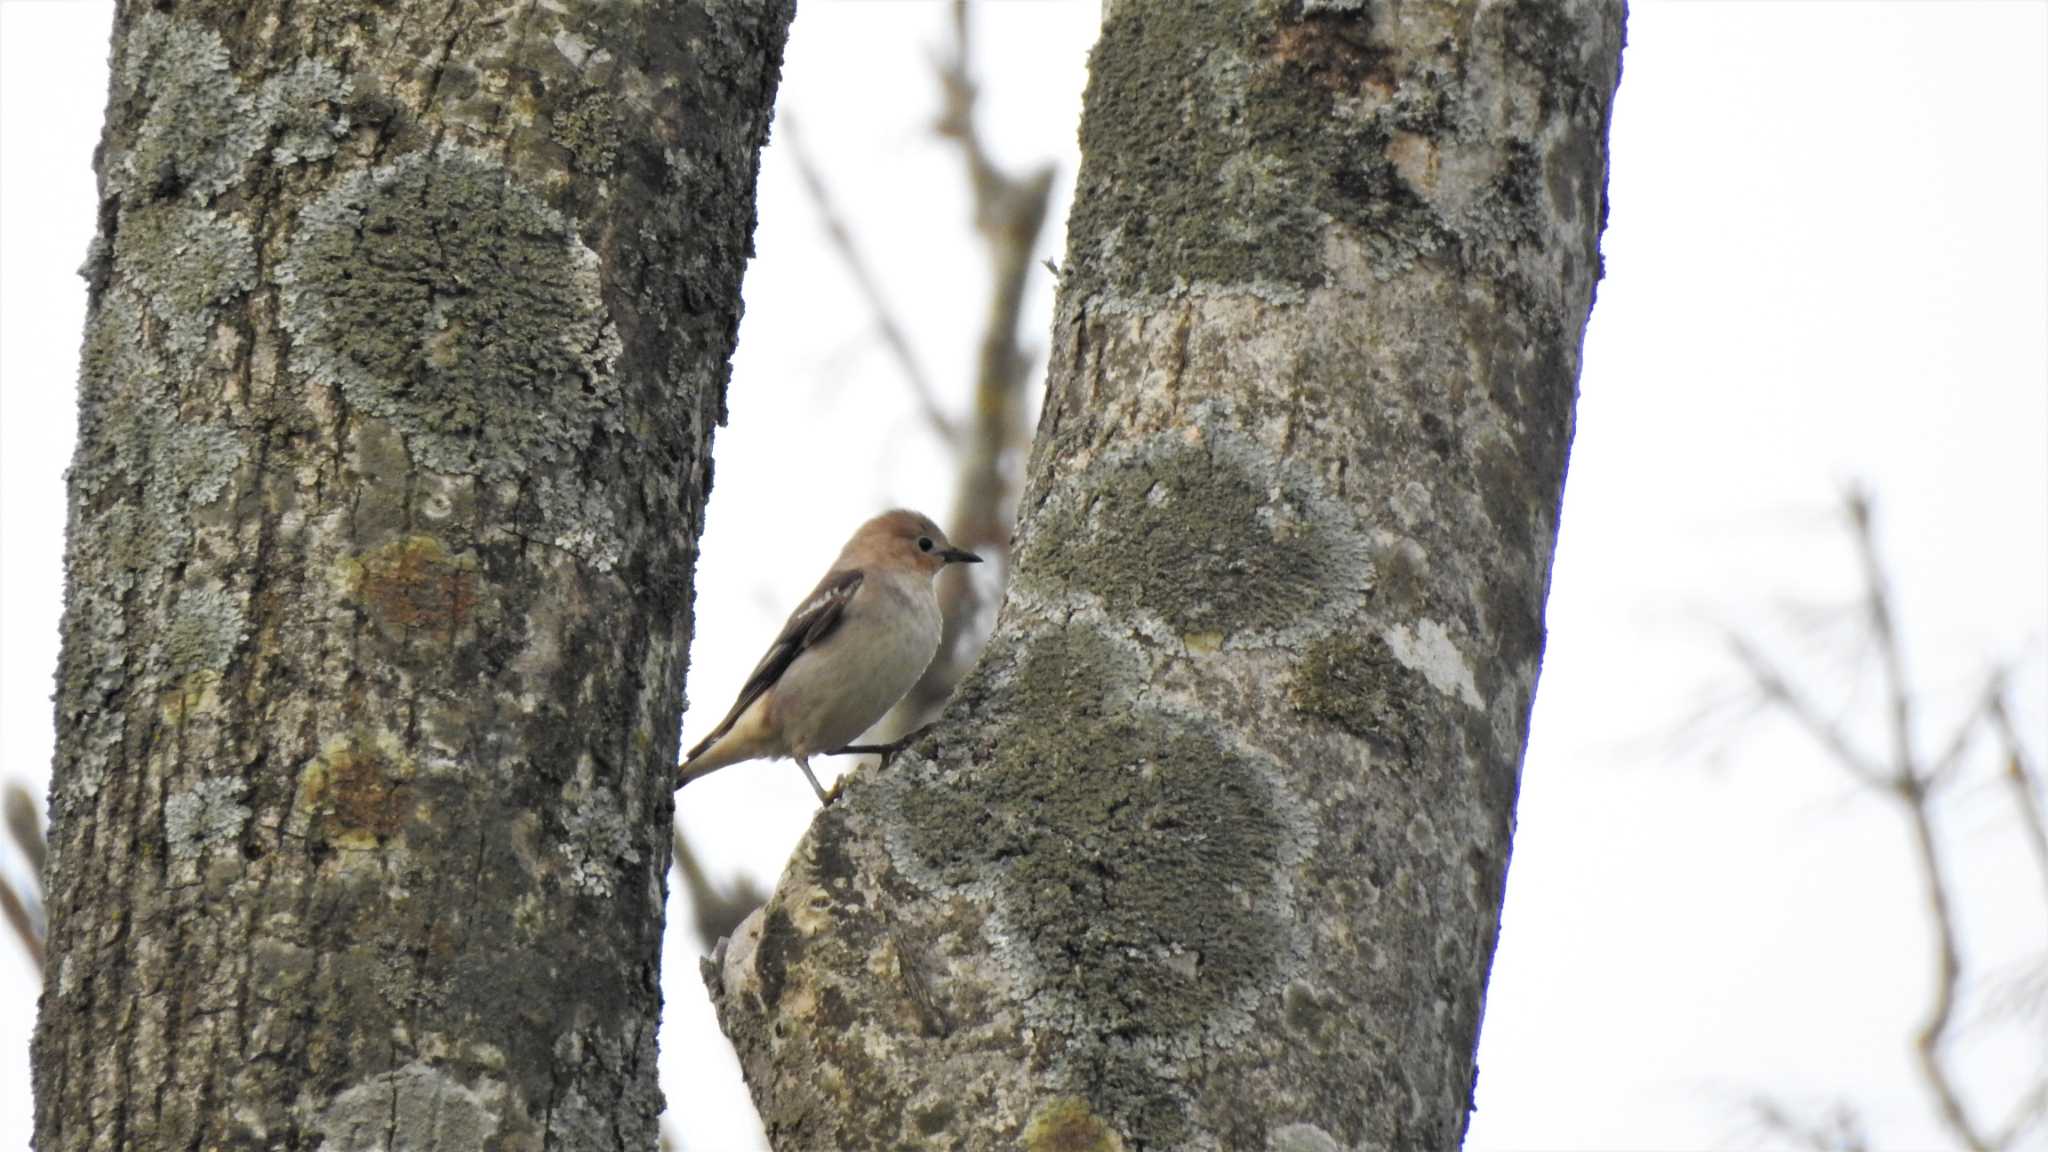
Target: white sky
{"type": "Point", "coordinates": [1827, 261]}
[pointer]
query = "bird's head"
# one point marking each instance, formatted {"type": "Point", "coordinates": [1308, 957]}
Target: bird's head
{"type": "Point", "coordinates": [906, 539]}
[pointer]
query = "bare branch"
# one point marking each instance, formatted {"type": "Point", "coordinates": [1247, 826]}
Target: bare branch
{"type": "Point", "coordinates": [25, 826]}
{"type": "Point", "coordinates": [870, 288]}
{"type": "Point", "coordinates": [15, 912]}
{"type": "Point", "coordinates": [1911, 783]}
{"type": "Point", "coordinates": [1779, 691]}
{"type": "Point", "coordinates": [2031, 1110]}
{"type": "Point", "coordinates": [1911, 786]}
{"type": "Point", "coordinates": [1947, 970]}
{"type": "Point", "coordinates": [1884, 629]}
{"type": "Point", "coordinates": [1950, 759]}
{"type": "Point", "coordinates": [2026, 786]}
{"type": "Point", "coordinates": [716, 913]}
{"type": "Point", "coordinates": [1841, 1130]}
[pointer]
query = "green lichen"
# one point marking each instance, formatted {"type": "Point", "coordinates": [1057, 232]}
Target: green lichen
{"type": "Point", "coordinates": [1357, 683]}
{"type": "Point", "coordinates": [304, 109]}
{"type": "Point", "coordinates": [418, 1106]}
{"type": "Point", "coordinates": [580, 521]}
{"type": "Point", "coordinates": [589, 129]}
{"type": "Point", "coordinates": [207, 815]}
{"type": "Point", "coordinates": [1138, 856]}
{"type": "Point", "coordinates": [1190, 533]}
{"type": "Point", "coordinates": [200, 128]}
{"type": "Point", "coordinates": [109, 363]}
{"type": "Point", "coordinates": [443, 297]}
{"type": "Point", "coordinates": [186, 263]}
{"type": "Point", "coordinates": [139, 463]}
{"type": "Point", "coordinates": [1067, 1125]}
{"type": "Point", "coordinates": [1222, 138]}
{"type": "Point", "coordinates": [200, 462]}
{"type": "Point", "coordinates": [595, 841]}
{"type": "Point", "coordinates": [177, 466]}
{"type": "Point", "coordinates": [207, 625]}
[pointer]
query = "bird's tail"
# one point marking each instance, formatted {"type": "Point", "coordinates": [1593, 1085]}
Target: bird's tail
{"type": "Point", "coordinates": [743, 740]}
{"type": "Point", "coordinates": [703, 762]}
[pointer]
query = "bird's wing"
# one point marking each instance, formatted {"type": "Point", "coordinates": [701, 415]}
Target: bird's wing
{"type": "Point", "coordinates": [808, 626]}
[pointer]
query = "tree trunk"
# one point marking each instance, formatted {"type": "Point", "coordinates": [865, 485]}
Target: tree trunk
{"type": "Point", "coordinates": [1209, 851]}
{"type": "Point", "coordinates": [409, 326]}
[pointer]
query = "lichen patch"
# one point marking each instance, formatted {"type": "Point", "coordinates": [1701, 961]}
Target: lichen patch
{"type": "Point", "coordinates": [305, 110]}
{"type": "Point", "coordinates": [1356, 683]}
{"type": "Point", "coordinates": [186, 263]}
{"type": "Point", "coordinates": [502, 355]}
{"type": "Point", "coordinates": [1428, 648]}
{"type": "Point", "coordinates": [414, 585]}
{"type": "Point", "coordinates": [357, 793]}
{"type": "Point", "coordinates": [416, 1106]}
{"type": "Point", "coordinates": [1140, 862]}
{"type": "Point", "coordinates": [208, 815]}
{"type": "Point", "coordinates": [1193, 531]}
{"type": "Point", "coordinates": [200, 128]}
{"type": "Point", "coordinates": [1067, 1125]}
{"type": "Point", "coordinates": [207, 626]}
{"type": "Point", "coordinates": [596, 841]}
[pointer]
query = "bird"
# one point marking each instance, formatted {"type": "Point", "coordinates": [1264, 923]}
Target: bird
{"type": "Point", "coordinates": [850, 651]}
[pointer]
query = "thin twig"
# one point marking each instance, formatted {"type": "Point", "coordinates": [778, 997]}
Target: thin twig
{"type": "Point", "coordinates": [1778, 690]}
{"type": "Point", "coordinates": [715, 913]}
{"type": "Point", "coordinates": [1911, 787]}
{"type": "Point", "coordinates": [1947, 974]}
{"type": "Point", "coordinates": [2026, 787]}
{"type": "Point", "coordinates": [2027, 1113]}
{"type": "Point", "coordinates": [864, 279]}
{"type": "Point", "coordinates": [1911, 783]}
{"type": "Point", "coordinates": [1883, 628]}
{"type": "Point", "coordinates": [1840, 1131]}
{"type": "Point", "coordinates": [16, 914]}
{"type": "Point", "coordinates": [25, 827]}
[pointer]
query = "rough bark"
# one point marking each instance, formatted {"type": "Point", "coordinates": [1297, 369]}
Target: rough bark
{"type": "Point", "coordinates": [409, 326]}
{"type": "Point", "coordinates": [1209, 850]}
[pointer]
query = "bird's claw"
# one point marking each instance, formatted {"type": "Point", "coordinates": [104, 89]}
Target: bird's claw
{"type": "Point", "coordinates": [887, 752]}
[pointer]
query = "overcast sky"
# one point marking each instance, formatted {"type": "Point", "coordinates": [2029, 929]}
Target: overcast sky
{"type": "Point", "coordinates": [1827, 262]}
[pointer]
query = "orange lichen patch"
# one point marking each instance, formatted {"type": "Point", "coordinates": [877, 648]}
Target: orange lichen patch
{"type": "Point", "coordinates": [357, 793]}
{"type": "Point", "coordinates": [1336, 51]}
{"type": "Point", "coordinates": [193, 696]}
{"type": "Point", "coordinates": [1067, 1125]}
{"type": "Point", "coordinates": [413, 584]}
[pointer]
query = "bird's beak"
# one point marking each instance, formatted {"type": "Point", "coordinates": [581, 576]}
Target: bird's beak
{"type": "Point", "coordinates": [958, 556]}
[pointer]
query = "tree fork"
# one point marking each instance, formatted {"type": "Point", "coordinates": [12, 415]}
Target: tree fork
{"type": "Point", "coordinates": [1209, 850]}
{"type": "Point", "coordinates": [409, 327]}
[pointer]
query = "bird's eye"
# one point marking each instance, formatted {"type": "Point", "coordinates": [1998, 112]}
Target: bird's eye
{"type": "Point", "coordinates": [924, 543]}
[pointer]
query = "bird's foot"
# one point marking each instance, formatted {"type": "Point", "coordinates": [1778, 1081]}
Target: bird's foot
{"type": "Point", "coordinates": [887, 751]}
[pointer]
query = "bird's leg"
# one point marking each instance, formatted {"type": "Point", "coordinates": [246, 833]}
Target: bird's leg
{"type": "Point", "coordinates": [886, 751]}
{"type": "Point", "coordinates": [803, 763]}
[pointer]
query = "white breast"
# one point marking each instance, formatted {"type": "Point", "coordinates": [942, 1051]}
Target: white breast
{"type": "Point", "coordinates": [838, 690]}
